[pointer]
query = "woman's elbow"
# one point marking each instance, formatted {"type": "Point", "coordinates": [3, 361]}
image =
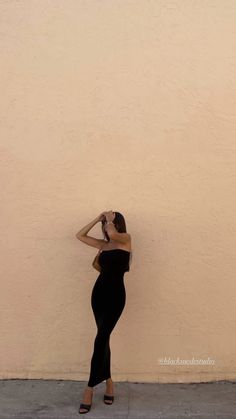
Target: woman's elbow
{"type": "Point", "coordinates": [79, 236]}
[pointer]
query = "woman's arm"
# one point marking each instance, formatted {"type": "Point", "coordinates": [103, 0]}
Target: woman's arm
{"type": "Point", "coordinates": [88, 227]}
{"type": "Point", "coordinates": [90, 241]}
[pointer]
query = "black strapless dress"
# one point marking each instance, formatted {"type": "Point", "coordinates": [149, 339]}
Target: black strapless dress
{"type": "Point", "coordinates": [107, 301]}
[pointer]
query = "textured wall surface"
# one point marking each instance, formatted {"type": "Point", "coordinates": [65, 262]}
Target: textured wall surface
{"type": "Point", "coordinates": [125, 105]}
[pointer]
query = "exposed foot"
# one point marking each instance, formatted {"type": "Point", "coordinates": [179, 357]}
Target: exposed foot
{"type": "Point", "coordinates": [109, 389]}
{"type": "Point", "coordinates": [87, 398]}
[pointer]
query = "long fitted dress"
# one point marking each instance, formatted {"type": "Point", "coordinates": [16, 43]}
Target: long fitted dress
{"type": "Point", "coordinates": [107, 301]}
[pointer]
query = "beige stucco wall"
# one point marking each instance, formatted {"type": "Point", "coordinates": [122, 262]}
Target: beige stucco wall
{"type": "Point", "coordinates": [123, 105]}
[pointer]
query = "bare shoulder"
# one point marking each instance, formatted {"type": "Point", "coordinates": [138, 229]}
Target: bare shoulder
{"type": "Point", "coordinates": [128, 244]}
{"type": "Point", "coordinates": [121, 241]}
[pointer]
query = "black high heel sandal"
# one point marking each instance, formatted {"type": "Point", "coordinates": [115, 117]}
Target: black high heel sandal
{"type": "Point", "coordinates": [85, 406]}
{"type": "Point", "coordinates": [107, 397]}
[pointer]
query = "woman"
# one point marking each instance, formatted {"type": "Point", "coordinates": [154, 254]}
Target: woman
{"type": "Point", "coordinates": [108, 296]}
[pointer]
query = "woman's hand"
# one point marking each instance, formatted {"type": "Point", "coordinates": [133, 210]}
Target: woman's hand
{"type": "Point", "coordinates": [101, 217]}
{"type": "Point", "coordinates": [106, 216]}
{"type": "Point", "coordinates": [110, 215]}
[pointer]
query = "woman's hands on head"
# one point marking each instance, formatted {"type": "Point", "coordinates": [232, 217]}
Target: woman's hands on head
{"type": "Point", "coordinates": [110, 215]}
{"type": "Point", "coordinates": [106, 216]}
{"type": "Point", "coordinates": [101, 217]}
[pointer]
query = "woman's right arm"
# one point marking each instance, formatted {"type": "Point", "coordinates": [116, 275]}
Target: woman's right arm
{"type": "Point", "coordinates": [90, 241]}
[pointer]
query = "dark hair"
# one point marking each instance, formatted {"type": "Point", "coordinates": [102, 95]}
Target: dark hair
{"type": "Point", "coordinates": [120, 225]}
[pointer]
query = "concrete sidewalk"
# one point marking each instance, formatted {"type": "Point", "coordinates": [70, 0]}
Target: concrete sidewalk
{"type": "Point", "coordinates": [59, 399]}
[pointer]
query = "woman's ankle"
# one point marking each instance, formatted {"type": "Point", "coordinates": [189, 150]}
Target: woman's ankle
{"type": "Point", "coordinates": [109, 385]}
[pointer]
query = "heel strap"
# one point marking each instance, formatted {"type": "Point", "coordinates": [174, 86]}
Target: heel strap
{"type": "Point", "coordinates": [85, 406]}
{"type": "Point", "coordinates": [107, 397]}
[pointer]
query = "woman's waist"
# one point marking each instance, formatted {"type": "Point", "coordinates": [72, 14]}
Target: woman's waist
{"type": "Point", "coordinates": [111, 275]}
{"type": "Point", "coordinates": [112, 270]}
